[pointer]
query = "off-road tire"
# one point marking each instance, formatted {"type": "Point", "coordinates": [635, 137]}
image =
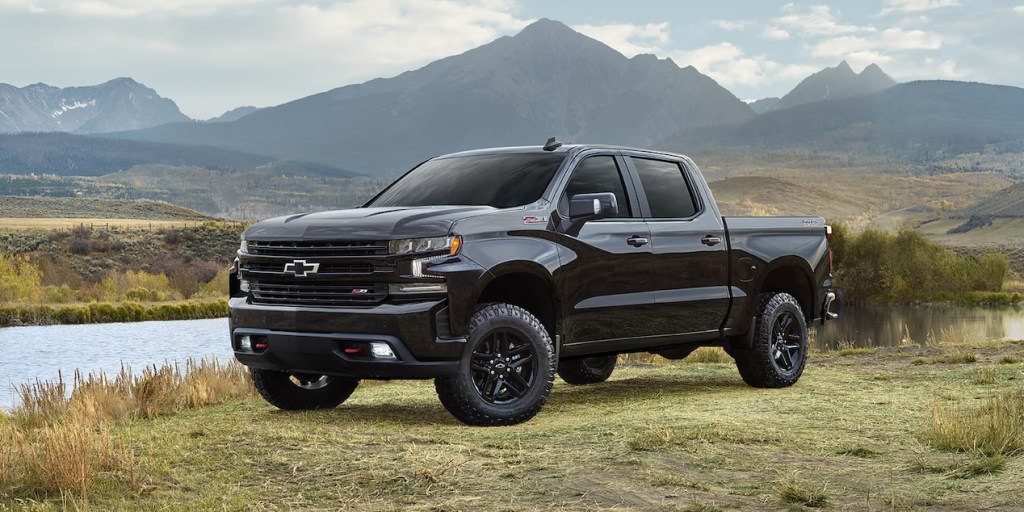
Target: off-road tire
{"type": "Point", "coordinates": [479, 393]}
{"type": "Point", "coordinates": [587, 370]}
{"type": "Point", "coordinates": [778, 354]}
{"type": "Point", "coordinates": [310, 392]}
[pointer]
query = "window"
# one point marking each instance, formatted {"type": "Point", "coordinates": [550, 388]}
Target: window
{"type": "Point", "coordinates": [501, 180]}
{"type": "Point", "coordinates": [594, 175]}
{"type": "Point", "coordinates": [668, 194]}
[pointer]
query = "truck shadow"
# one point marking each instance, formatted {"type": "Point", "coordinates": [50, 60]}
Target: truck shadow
{"type": "Point", "coordinates": [564, 399]}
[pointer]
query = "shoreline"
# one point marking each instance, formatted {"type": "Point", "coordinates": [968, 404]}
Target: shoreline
{"type": "Point", "coordinates": [19, 315]}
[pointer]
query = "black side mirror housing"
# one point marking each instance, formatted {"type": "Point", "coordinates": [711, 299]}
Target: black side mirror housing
{"type": "Point", "coordinates": [587, 207]}
{"type": "Point", "coordinates": [584, 207]}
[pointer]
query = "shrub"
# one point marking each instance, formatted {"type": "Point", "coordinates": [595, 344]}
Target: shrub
{"type": "Point", "coordinates": [20, 280]}
{"type": "Point", "coordinates": [877, 265]}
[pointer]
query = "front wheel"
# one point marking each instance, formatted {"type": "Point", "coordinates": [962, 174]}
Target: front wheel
{"type": "Point", "coordinates": [779, 352]}
{"type": "Point", "coordinates": [506, 372]}
{"type": "Point", "coordinates": [302, 391]}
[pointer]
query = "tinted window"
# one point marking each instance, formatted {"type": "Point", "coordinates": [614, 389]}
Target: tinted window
{"type": "Point", "coordinates": [667, 192]}
{"type": "Point", "coordinates": [597, 174]}
{"type": "Point", "coordinates": [501, 181]}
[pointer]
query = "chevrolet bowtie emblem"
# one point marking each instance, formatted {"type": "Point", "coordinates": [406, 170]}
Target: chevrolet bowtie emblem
{"type": "Point", "coordinates": [301, 269]}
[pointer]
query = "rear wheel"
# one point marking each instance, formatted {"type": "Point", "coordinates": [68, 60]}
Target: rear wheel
{"type": "Point", "coordinates": [587, 370]}
{"type": "Point", "coordinates": [507, 371]}
{"type": "Point", "coordinates": [302, 391]}
{"type": "Point", "coordinates": [779, 352]}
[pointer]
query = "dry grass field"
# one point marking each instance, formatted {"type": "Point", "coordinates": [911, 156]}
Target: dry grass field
{"type": "Point", "coordinates": [938, 427]}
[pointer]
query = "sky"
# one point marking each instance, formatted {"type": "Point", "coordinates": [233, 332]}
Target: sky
{"type": "Point", "coordinates": [210, 56]}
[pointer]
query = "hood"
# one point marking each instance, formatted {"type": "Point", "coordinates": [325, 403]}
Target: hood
{"type": "Point", "coordinates": [364, 223]}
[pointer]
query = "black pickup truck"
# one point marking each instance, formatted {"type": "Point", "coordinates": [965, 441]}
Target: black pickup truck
{"type": "Point", "coordinates": [491, 270]}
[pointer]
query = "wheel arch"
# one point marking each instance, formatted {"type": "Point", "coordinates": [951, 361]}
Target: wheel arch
{"type": "Point", "coordinates": [524, 284]}
{"type": "Point", "coordinates": [791, 275]}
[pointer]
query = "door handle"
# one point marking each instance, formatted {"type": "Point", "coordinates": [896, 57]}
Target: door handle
{"type": "Point", "coordinates": [637, 241]}
{"type": "Point", "coordinates": [710, 241]}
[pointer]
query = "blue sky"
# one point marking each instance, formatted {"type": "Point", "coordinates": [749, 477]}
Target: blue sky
{"type": "Point", "coordinates": [213, 55]}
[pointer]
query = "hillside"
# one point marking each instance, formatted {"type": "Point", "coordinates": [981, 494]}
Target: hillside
{"type": "Point", "coordinates": [918, 122]}
{"type": "Point", "coordinates": [92, 208]}
{"type": "Point", "coordinates": [547, 80]}
{"type": "Point", "coordinates": [1008, 202]}
{"type": "Point", "coordinates": [117, 105]}
{"type": "Point", "coordinates": [76, 155]}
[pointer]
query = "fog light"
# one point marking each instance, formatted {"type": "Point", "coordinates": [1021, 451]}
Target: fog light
{"type": "Point", "coordinates": [245, 343]}
{"type": "Point", "coordinates": [382, 351]}
{"type": "Point", "coordinates": [243, 285]}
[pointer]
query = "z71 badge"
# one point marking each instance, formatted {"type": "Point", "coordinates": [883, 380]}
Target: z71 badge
{"type": "Point", "coordinates": [532, 219]}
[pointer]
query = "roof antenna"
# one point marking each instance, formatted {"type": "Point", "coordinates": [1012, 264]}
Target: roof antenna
{"type": "Point", "coordinates": [552, 144]}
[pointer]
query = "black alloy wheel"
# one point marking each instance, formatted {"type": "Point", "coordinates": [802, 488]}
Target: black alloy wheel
{"type": "Point", "coordinates": [777, 357]}
{"type": "Point", "coordinates": [787, 342]}
{"type": "Point", "coordinates": [503, 368]}
{"type": "Point", "coordinates": [506, 372]}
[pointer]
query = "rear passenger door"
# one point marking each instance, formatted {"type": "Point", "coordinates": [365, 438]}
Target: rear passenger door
{"type": "Point", "coordinates": [689, 270]}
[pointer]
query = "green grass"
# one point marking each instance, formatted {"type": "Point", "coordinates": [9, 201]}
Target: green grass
{"type": "Point", "coordinates": [853, 434]}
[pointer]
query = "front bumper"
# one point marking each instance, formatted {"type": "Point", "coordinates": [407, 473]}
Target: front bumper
{"type": "Point", "coordinates": [313, 340]}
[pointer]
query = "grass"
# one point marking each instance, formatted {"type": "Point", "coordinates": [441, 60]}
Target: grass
{"type": "Point", "coordinates": [107, 312]}
{"type": "Point", "coordinates": [866, 431]}
{"type": "Point", "coordinates": [55, 443]}
{"type": "Point", "coordinates": [994, 428]}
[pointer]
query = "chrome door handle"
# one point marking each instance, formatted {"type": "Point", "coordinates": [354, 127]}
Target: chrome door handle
{"type": "Point", "coordinates": [711, 241]}
{"type": "Point", "coordinates": [637, 241]}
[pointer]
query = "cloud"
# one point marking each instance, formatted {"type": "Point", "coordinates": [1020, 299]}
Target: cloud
{"type": "Point", "coordinates": [730, 66]}
{"type": "Point", "coordinates": [259, 52]}
{"type": "Point", "coordinates": [774, 34]}
{"type": "Point", "coordinates": [818, 20]}
{"type": "Point", "coordinates": [732, 25]}
{"type": "Point", "coordinates": [904, 6]}
{"type": "Point", "coordinates": [1019, 9]}
{"type": "Point", "coordinates": [889, 40]}
{"type": "Point", "coordinates": [130, 8]}
{"type": "Point", "coordinates": [629, 39]}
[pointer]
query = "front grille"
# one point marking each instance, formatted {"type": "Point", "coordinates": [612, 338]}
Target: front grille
{"type": "Point", "coordinates": [321, 273]}
{"type": "Point", "coordinates": [318, 293]}
{"type": "Point", "coordinates": [327, 268]}
{"type": "Point", "coordinates": [321, 248]}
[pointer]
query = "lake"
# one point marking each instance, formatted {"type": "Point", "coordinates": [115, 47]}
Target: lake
{"type": "Point", "coordinates": [30, 353]}
{"type": "Point", "coordinates": [886, 326]}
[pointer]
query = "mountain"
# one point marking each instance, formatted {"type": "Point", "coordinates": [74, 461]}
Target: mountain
{"type": "Point", "coordinates": [65, 154]}
{"type": "Point", "coordinates": [764, 105]}
{"type": "Point", "coordinates": [547, 80]}
{"type": "Point", "coordinates": [917, 121]}
{"type": "Point", "coordinates": [233, 115]}
{"type": "Point", "coordinates": [835, 84]}
{"type": "Point", "coordinates": [118, 105]}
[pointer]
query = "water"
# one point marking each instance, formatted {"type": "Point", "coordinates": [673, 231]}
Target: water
{"type": "Point", "coordinates": [30, 353]}
{"type": "Point", "coordinates": [886, 326]}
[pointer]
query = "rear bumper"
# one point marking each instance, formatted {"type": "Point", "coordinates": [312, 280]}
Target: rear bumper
{"type": "Point", "coordinates": [313, 340]}
{"type": "Point", "coordinates": [826, 308]}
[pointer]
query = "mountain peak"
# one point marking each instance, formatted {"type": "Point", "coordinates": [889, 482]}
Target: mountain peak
{"type": "Point", "coordinates": [837, 83]}
{"type": "Point", "coordinates": [116, 105]}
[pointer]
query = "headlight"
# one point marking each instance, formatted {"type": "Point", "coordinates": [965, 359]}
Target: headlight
{"type": "Point", "coordinates": [424, 245]}
{"type": "Point", "coordinates": [244, 248]}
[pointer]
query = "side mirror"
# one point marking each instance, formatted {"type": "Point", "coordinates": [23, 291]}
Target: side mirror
{"type": "Point", "coordinates": [584, 207]}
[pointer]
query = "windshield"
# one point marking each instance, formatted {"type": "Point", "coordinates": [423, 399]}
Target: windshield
{"type": "Point", "coordinates": [502, 181]}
